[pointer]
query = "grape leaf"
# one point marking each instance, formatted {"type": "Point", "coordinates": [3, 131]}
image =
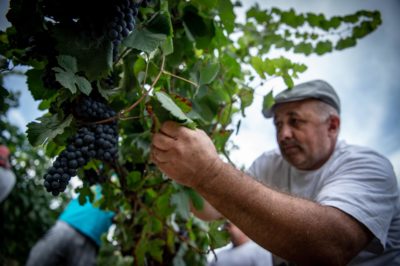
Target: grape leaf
{"type": "Point", "coordinates": [227, 14]}
{"type": "Point", "coordinates": [209, 73]}
{"type": "Point", "coordinates": [66, 75]}
{"type": "Point", "coordinates": [48, 128]}
{"type": "Point", "coordinates": [160, 23]}
{"type": "Point", "coordinates": [181, 202]}
{"type": "Point", "coordinates": [195, 198]}
{"type": "Point", "coordinates": [168, 104]}
{"type": "Point", "coordinates": [35, 84]}
{"type": "Point", "coordinates": [144, 40]}
{"type": "Point", "coordinates": [93, 57]}
{"type": "Point", "coordinates": [268, 101]}
{"type": "Point", "coordinates": [218, 237]}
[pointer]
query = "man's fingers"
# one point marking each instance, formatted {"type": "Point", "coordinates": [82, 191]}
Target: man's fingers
{"type": "Point", "coordinates": [170, 129]}
{"type": "Point", "coordinates": [163, 142]}
{"type": "Point", "coordinates": [159, 156]}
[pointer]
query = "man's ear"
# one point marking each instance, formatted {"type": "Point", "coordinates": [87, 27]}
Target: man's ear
{"type": "Point", "coordinates": [334, 124]}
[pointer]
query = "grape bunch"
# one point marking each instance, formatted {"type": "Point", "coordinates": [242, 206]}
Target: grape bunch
{"type": "Point", "coordinates": [92, 141]}
{"type": "Point", "coordinates": [94, 177]}
{"type": "Point", "coordinates": [121, 23]}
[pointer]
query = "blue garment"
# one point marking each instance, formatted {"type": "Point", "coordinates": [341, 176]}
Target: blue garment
{"type": "Point", "coordinates": [87, 219]}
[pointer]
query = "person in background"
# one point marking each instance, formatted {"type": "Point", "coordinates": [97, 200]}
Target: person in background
{"type": "Point", "coordinates": [313, 201]}
{"type": "Point", "coordinates": [7, 177]}
{"type": "Point", "coordinates": [242, 252]}
{"type": "Point", "coordinates": [75, 238]}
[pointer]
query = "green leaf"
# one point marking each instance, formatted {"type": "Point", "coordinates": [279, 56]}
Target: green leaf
{"type": "Point", "coordinates": [227, 14]}
{"type": "Point", "coordinates": [85, 194]}
{"type": "Point", "coordinates": [220, 139]}
{"type": "Point", "coordinates": [259, 15]}
{"type": "Point", "coordinates": [48, 128]}
{"type": "Point", "coordinates": [201, 29]}
{"type": "Point", "coordinates": [181, 202]}
{"type": "Point", "coordinates": [269, 67]}
{"type": "Point", "coordinates": [288, 80]}
{"type": "Point", "coordinates": [335, 22]}
{"type": "Point", "coordinates": [156, 249]}
{"type": "Point", "coordinates": [68, 63]}
{"type": "Point", "coordinates": [94, 57]}
{"type": "Point", "coordinates": [292, 19]}
{"type": "Point", "coordinates": [300, 68]}
{"type": "Point", "coordinates": [246, 98]}
{"type": "Point", "coordinates": [208, 73]}
{"type": "Point", "coordinates": [168, 46]}
{"type": "Point", "coordinates": [134, 180]}
{"type": "Point", "coordinates": [153, 225]}
{"type": "Point", "coordinates": [163, 204]}
{"type": "Point", "coordinates": [365, 28]}
{"type": "Point", "coordinates": [195, 198]}
{"type": "Point", "coordinates": [67, 77]}
{"type": "Point", "coordinates": [168, 104]}
{"type": "Point", "coordinates": [345, 43]}
{"type": "Point", "coordinates": [323, 47]}
{"type": "Point", "coordinates": [303, 48]}
{"type": "Point", "coordinates": [218, 237]}
{"type": "Point", "coordinates": [140, 250]}
{"type": "Point", "coordinates": [144, 40]}
{"type": "Point", "coordinates": [35, 84]}
{"type": "Point", "coordinates": [258, 65]}
{"type": "Point", "coordinates": [314, 20]}
{"type": "Point", "coordinates": [160, 23]}
{"type": "Point", "coordinates": [268, 101]}
{"type": "Point", "coordinates": [183, 103]}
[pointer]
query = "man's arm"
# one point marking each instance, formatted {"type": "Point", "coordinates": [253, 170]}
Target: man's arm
{"type": "Point", "coordinates": [293, 228]}
{"type": "Point", "coordinates": [207, 212]}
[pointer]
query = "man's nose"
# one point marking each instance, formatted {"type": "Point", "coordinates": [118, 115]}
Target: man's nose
{"type": "Point", "coordinates": [285, 132]}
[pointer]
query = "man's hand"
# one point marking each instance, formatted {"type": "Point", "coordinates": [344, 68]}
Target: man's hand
{"type": "Point", "coordinates": [185, 155]}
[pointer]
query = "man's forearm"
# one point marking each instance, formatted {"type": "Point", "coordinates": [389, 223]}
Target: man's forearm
{"type": "Point", "coordinates": [293, 228]}
{"type": "Point", "coordinates": [207, 212]}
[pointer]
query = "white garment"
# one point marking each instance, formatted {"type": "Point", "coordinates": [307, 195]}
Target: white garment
{"type": "Point", "coordinates": [7, 182]}
{"type": "Point", "coordinates": [247, 254]}
{"type": "Point", "coordinates": [355, 180]}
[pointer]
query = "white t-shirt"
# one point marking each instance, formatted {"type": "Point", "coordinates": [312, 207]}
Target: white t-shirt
{"type": "Point", "coordinates": [355, 180]}
{"type": "Point", "coordinates": [247, 254]}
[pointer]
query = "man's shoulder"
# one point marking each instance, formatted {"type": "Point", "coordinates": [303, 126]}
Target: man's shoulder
{"type": "Point", "coordinates": [268, 162]}
{"type": "Point", "coordinates": [352, 151]}
{"type": "Point", "coordinates": [351, 157]}
{"type": "Point", "coordinates": [271, 154]}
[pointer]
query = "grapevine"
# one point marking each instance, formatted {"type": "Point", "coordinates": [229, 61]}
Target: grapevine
{"type": "Point", "coordinates": [110, 72]}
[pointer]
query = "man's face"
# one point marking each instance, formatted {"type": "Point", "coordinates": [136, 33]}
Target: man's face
{"type": "Point", "coordinates": [306, 137]}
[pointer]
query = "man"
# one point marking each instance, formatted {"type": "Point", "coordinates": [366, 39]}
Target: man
{"type": "Point", "coordinates": [316, 201]}
{"type": "Point", "coordinates": [242, 252]}
{"type": "Point", "coordinates": [75, 238]}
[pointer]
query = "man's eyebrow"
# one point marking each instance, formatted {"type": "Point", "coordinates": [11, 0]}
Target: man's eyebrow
{"type": "Point", "coordinates": [290, 114]}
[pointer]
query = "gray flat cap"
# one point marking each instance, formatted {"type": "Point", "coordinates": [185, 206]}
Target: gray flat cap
{"type": "Point", "coordinates": [315, 89]}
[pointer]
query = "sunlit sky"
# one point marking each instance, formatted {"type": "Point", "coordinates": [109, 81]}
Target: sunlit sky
{"type": "Point", "coordinates": [364, 76]}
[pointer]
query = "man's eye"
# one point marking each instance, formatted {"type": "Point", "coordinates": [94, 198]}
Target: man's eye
{"type": "Point", "coordinates": [294, 122]}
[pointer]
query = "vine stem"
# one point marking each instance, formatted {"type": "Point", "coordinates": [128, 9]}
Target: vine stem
{"type": "Point", "coordinates": [146, 92]}
{"type": "Point", "coordinates": [181, 78]}
{"type": "Point", "coordinates": [130, 117]}
{"type": "Point", "coordinates": [120, 114]}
